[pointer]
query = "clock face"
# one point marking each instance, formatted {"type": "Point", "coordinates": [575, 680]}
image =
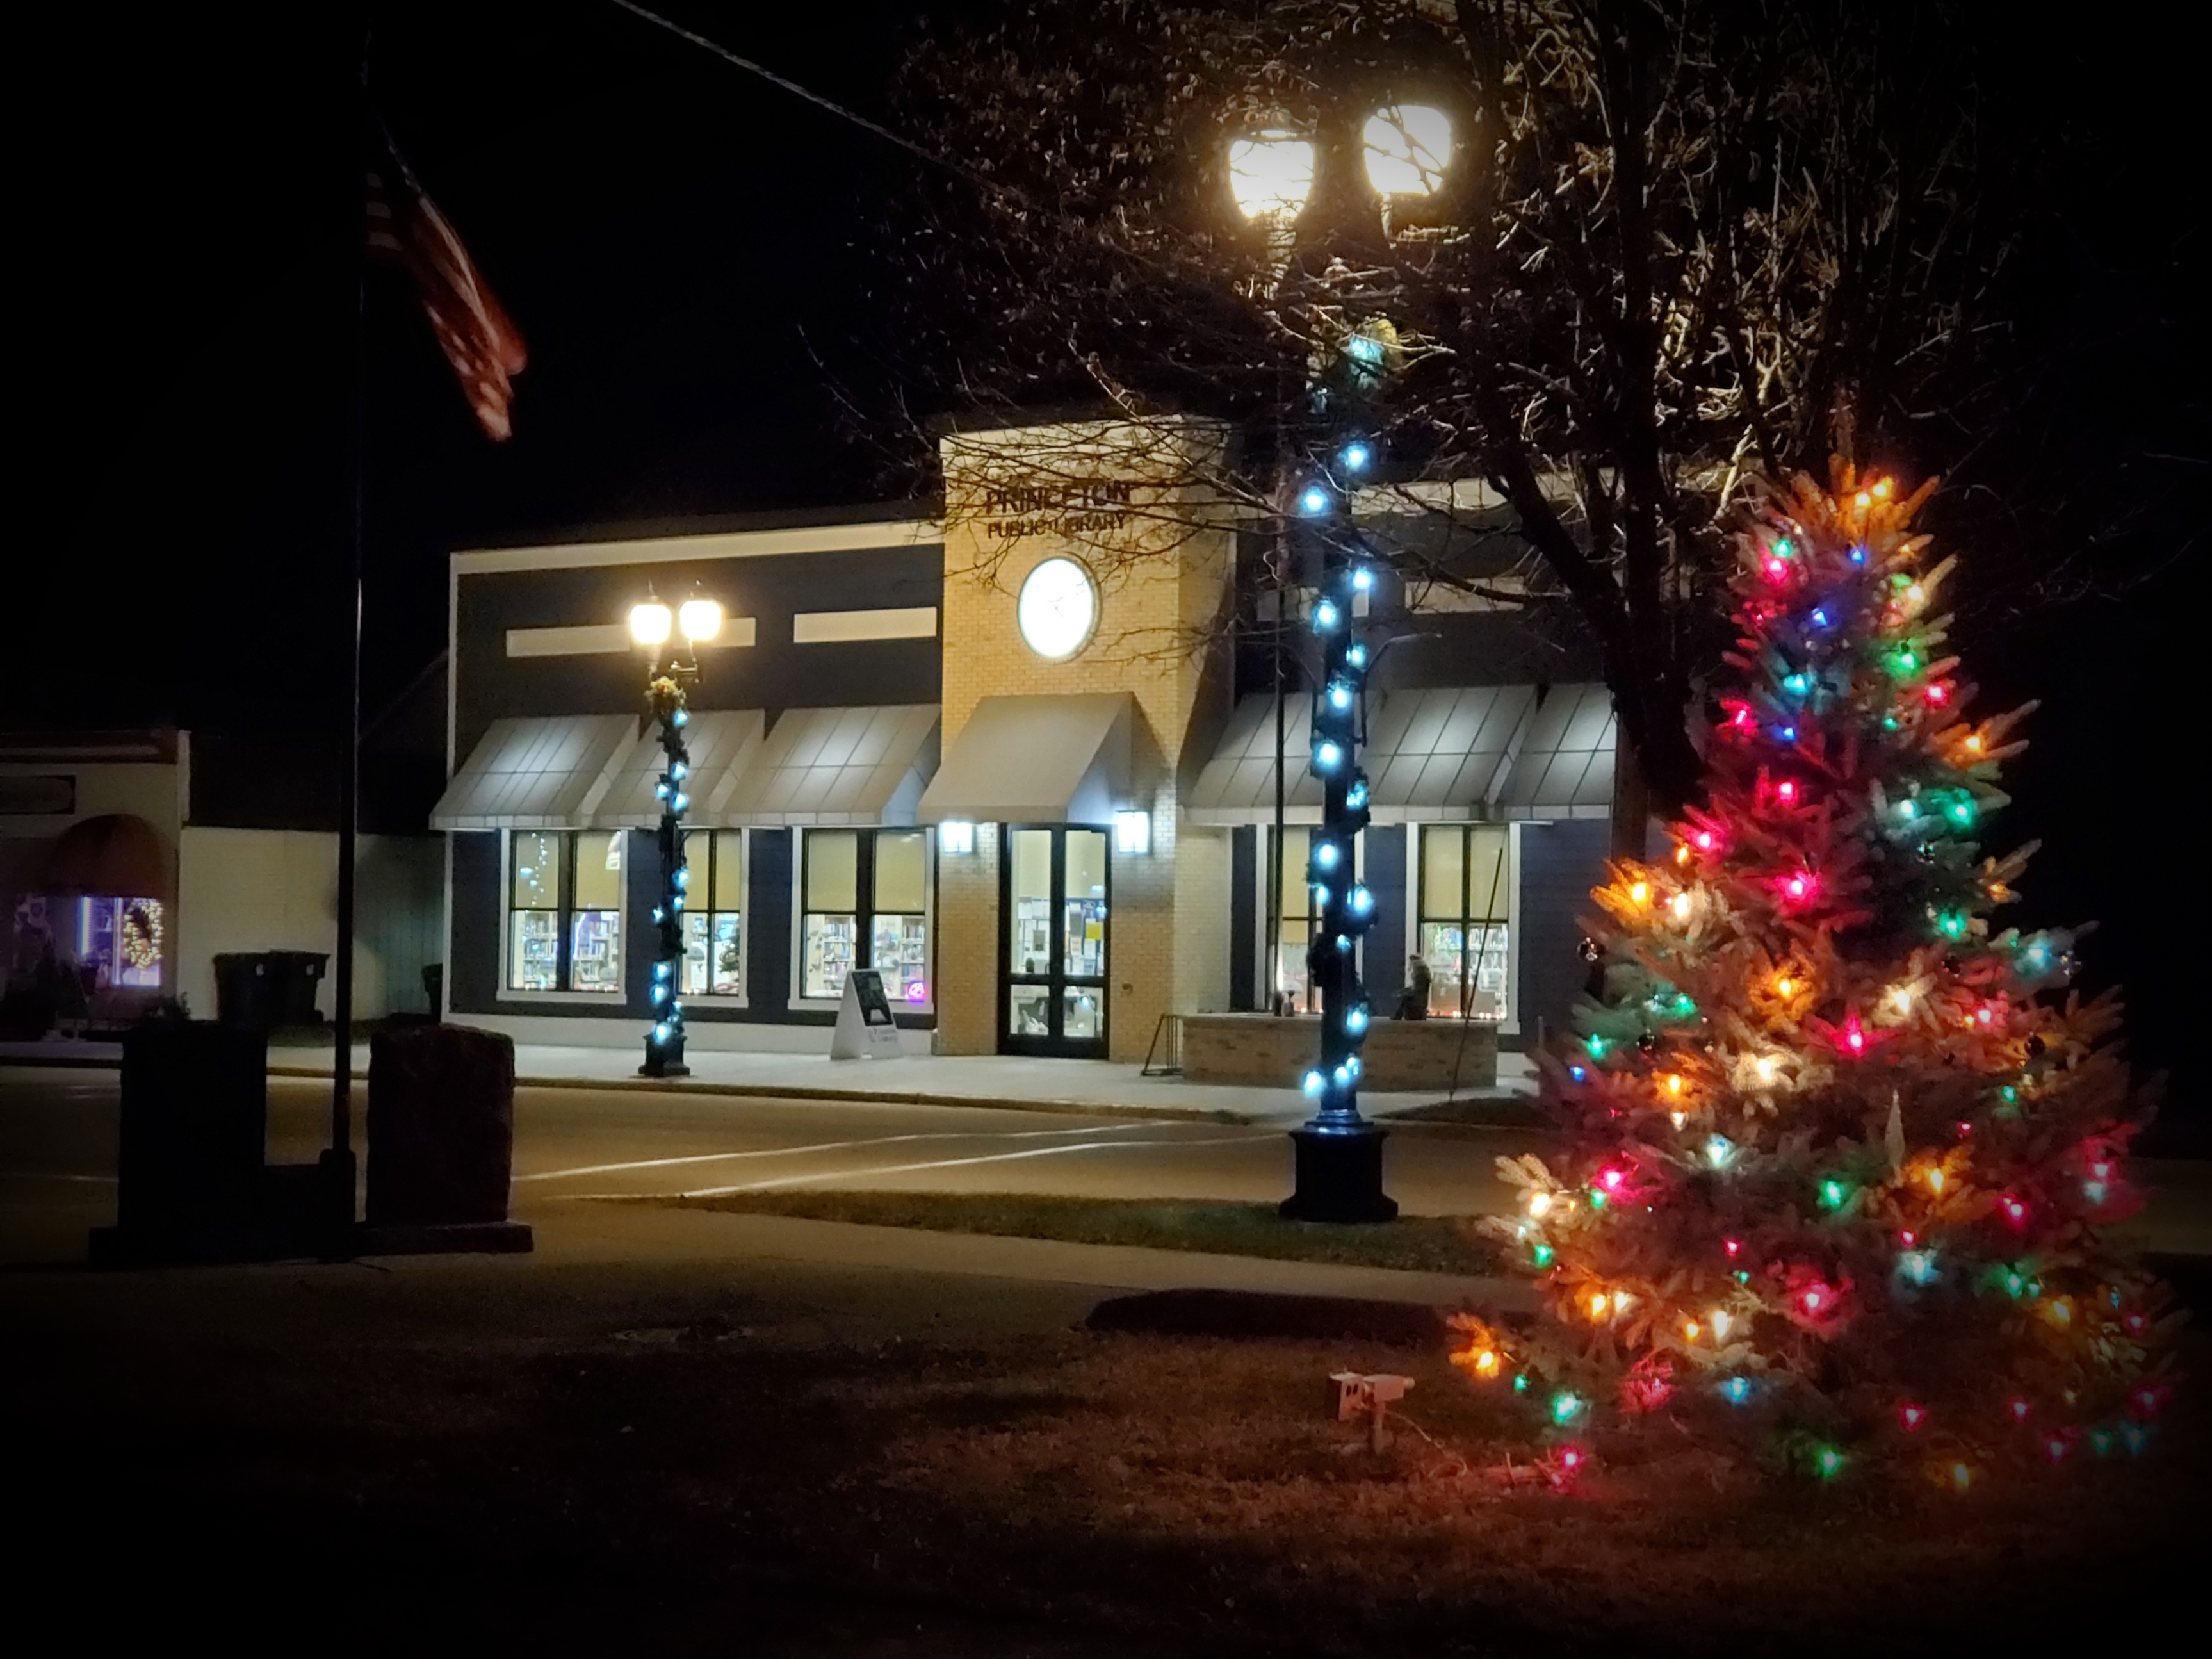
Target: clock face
{"type": "Point", "coordinates": [1057, 608]}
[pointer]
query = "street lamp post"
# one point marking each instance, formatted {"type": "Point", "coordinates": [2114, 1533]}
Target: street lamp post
{"type": "Point", "coordinates": [667, 692]}
{"type": "Point", "coordinates": [1338, 1153]}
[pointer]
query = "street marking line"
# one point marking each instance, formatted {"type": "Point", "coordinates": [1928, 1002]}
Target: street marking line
{"type": "Point", "coordinates": [955, 1164]}
{"type": "Point", "coordinates": [834, 1146]}
{"type": "Point", "coordinates": [55, 1175]}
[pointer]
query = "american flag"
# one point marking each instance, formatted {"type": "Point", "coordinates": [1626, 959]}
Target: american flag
{"type": "Point", "coordinates": [475, 332]}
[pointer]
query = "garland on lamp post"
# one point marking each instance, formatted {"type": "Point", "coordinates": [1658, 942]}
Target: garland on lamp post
{"type": "Point", "coordinates": [651, 624]}
{"type": "Point", "coordinates": [666, 695]}
{"type": "Point", "coordinates": [1339, 1152]}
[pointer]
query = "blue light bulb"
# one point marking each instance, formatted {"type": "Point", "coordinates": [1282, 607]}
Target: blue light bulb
{"type": "Point", "coordinates": [1362, 901]}
{"type": "Point", "coordinates": [1325, 854]}
{"type": "Point", "coordinates": [660, 1032]}
{"type": "Point", "coordinates": [682, 717]}
{"type": "Point", "coordinates": [1797, 685]}
{"type": "Point", "coordinates": [1343, 943]}
{"type": "Point", "coordinates": [1320, 894]}
{"type": "Point", "coordinates": [1356, 797]}
{"type": "Point", "coordinates": [1785, 733]}
{"type": "Point", "coordinates": [680, 771]}
{"type": "Point", "coordinates": [1325, 616]}
{"type": "Point", "coordinates": [660, 792]}
{"type": "Point", "coordinates": [1578, 1073]}
{"type": "Point", "coordinates": [1736, 1390]}
{"type": "Point", "coordinates": [1858, 556]}
{"type": "Point", "coordinates": [1313, 1083]}
{"type": "Point", "coordinates": [1356, 655]}
{"type": "Point", "coordinates": [1340, 695]}
{"type": "Point", "coordinates": [1355, 458]}
{"type": "Point", "coordinates": [1820, 617]}
{"type": "Point", "coordinates": [657, 912]}
{"type": "Point", "coordinates": [1327, 754]}
{"type": "Point", "coordinates": [1363, 579]}
{"type": "Point", "coordinates": [662, 969]}
{"type": "Point", "coordinates": [1343, 1074]}
{"type": "Point", "coordinates": [679, 902]}
{"type": "Point", "coordinates": [1355, 1020]}
{"type": "Point", "coordinates": [683, 876]}
{"type": "Point", "coordinates": [681, 801]}
{"type": "Point", "coordinates": [1315, 500]}
{"type": "Point", "coordinates": [661, 993]}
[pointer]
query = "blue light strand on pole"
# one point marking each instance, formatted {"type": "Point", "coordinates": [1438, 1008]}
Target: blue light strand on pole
{"type": "Point", "coordinates": [663, 1048]}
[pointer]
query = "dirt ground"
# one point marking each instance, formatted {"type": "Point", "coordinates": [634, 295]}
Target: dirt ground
{"type": "Point", "coordinates": [783, 1462]}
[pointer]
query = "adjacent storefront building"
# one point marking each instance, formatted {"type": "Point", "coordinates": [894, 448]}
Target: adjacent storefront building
{"type": "Point", "coordinates": [1020, 758]}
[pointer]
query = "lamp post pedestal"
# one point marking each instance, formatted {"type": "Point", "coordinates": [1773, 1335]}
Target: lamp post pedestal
{"type": "Point", "coordinates": [1340, 1174]}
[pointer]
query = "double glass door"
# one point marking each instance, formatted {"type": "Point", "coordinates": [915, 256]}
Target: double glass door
{"type": "Point", "coordinates": [1053, 972]}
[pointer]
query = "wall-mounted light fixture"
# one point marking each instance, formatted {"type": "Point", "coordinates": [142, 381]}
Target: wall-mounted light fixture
{"type": "Point", "coordinates": [1132, 832]}
{"type": "Point", "coordinates": [956, 835]}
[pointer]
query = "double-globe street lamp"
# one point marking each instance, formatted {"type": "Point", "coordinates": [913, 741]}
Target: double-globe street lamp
{"type": "Point", "coordinates": [671, 673]}
{"type": "Point", "coordinates": [1271, 174]}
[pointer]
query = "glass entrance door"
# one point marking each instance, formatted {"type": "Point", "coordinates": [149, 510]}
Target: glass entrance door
{"type": "Point", "coordinates": [1052, 969]}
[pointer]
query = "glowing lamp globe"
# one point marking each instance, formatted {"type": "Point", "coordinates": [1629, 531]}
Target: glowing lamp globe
{"type": "Point", "coordinates": [649, 622]}
{"type": "Point", "coordinates": [1271, 175]}
{"type": "Point", "coordinates": [701, 619]}
{"type": "Point", "coordinates": [1409, 146]}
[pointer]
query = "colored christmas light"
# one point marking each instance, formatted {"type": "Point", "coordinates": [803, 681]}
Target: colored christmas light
{"type": "Point", "coordinates": [1861, 1103]}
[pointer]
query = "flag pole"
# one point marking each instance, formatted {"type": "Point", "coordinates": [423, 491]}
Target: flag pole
{"type": "Point", "coordinates": [337, 1159]}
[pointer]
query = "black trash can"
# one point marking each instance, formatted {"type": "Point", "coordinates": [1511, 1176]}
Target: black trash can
{"type": "Point", "coordinates": [259, 989]}
{"type": "Point", "coordinates": [293, 978]}
{"type": "Point", "coordinates": [241, 990]}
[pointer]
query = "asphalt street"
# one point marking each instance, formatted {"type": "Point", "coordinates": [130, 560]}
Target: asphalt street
{"type": "Point", "coordinates": [58, 1128]}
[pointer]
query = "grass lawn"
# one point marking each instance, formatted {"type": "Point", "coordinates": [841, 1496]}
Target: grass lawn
{"type": "Point", "coordinates": [1420, 1243]}
{"type": "Point", "coordinates": [519, 1461]}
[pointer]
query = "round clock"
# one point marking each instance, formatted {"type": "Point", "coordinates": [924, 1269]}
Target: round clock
{"type": "Point", "coordinates": [1057, 608]}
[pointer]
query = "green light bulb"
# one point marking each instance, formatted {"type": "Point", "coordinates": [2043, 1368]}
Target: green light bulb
{"type": "Point", "coordinates": [1563, 1407]}
{"type": "Point", "coordinates": [1832, 1194]}
{"type": "Point", "coordinates": [1543, 1254]}
{"type": "Point", "coordinates": [1596, 1046]}
{"type": "Point", "coordinates": [1828, 1461]}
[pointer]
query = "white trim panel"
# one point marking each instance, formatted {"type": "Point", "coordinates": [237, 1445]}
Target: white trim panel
{"type": "Point", "coordinates": [609, 639]}
{"type": "Point", "coordinates": [837, 627]}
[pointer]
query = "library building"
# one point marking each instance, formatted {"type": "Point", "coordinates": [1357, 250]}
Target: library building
{"type": "Point", "coordinates": [1040, 762]}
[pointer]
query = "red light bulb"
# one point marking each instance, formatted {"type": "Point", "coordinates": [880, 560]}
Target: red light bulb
{"type": "Point", "coordinates": [1939, 694]}
{"type": "Point", "coordinates": [2019, 1408]}
{"type": "Point", "coordinates": [1911, 1416]}
{"type": "Point", "coordinates": [1732, 1245]}
{"type": "Point", "coordinates": [2014, 1211]}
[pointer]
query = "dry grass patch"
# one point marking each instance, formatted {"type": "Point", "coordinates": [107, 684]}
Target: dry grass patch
{"type": "Point", "coordinates": [1419, 1243]}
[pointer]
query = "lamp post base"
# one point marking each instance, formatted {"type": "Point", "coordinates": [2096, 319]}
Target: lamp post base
{"type": "Point", "coordinates": [1339, 1176]}
{"type": "Point", "coordinates": [660, 1062]}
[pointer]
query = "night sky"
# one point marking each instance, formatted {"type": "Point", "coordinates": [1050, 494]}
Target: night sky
{"type": "Point", "coordinates": [690, 254]}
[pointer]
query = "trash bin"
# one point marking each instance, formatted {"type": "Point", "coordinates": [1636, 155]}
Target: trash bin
{"type": "Point", "coordinates": [293, 977]}
{"type": "Point", "coordinates": [258, 989]}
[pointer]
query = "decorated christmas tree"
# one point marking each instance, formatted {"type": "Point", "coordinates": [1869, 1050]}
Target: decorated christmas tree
{"type": "Point", "coordinates": [1842, 1150]}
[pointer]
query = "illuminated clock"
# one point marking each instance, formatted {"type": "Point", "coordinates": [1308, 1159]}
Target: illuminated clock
{"type": "Point", "coordinates": [1057, 608]}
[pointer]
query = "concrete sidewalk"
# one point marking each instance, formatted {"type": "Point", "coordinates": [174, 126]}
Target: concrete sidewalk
{"type": "Point", "coordinates": [1004, 1080]}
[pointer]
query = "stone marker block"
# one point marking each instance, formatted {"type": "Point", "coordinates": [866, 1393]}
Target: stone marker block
{"type": "Point", "coordinates": [440, 1126]}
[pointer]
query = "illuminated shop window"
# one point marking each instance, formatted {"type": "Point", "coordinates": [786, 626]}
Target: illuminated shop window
{"type": "Point", "coordinates": [714, 915]}
{"type": "Point", "coordinates": [864, 905]}
{"type": "Point", "coordinates": [121, 939]}
{"type": "Point", "coordinates": [564, 910]}
{"type": "Point", "coordinates": [1298, 916]}
{"type": "Point", "coordinates": [1466, 901]}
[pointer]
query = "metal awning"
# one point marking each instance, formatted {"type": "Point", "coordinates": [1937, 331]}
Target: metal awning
{"type": "Point", "coordinates": [1565, 767]}
{"type": "Point", "coordinates": [1436, 754]}
{"type": "Point", "coordinates": [865, 765]}
{"type": "Point", "coordinates": [1042, 759]}
{"type": "Point", "coordinates": [722, 743]}
{"type": "Point", "coordinates": [543, 772]}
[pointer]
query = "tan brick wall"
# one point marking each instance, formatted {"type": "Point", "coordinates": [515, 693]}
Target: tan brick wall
{"type": "Point", "coordinates": [1161, 584]}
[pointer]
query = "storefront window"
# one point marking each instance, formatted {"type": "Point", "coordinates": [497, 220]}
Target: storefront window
{"type": "Point", "coordinates": [864, 905]}
{"type": "Point", "coordinates": [564, 911]}
{"type": "Point", "coordinates": [121, 939]}
{"type": "Point", "coordinates": [1298, 916]}
{"type": "Point", "coordinates": [1465, 923]}
{"type": "Point", "coordinates": [714, 936]}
